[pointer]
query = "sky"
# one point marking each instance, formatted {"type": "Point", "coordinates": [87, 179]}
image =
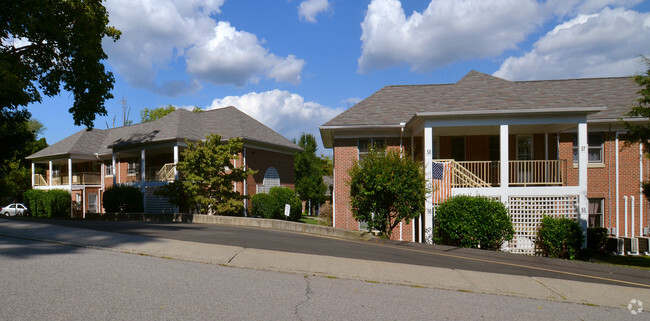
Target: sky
{"type": "Point", "coordinates": [293, 65]}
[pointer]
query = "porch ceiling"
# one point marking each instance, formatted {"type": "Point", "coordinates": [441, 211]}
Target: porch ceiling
{"type": "Point", "coordinates": [494, 130]}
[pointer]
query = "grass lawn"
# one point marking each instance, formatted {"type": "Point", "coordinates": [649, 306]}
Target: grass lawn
{"type": "Point", "coordinates": [642, 262]}
{"type": "Point", "coordinates": [309, 220]}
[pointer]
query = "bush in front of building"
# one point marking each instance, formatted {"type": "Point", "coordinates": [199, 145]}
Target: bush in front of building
{"type": "Point", "coordinates": [272, 205]}
{"type": "Point", "coordinates": [475, 222]}
{"type": "Point", "coordinates": [597, 240]}
{"type": "Point", "coordinates": [123, 199]}
{"type": "Point", "coordinates": [559, 238]}
{"type": "Point", "coordinates": [52, 203]}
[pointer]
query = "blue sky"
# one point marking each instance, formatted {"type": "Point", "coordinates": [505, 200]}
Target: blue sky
{"type": "Point", "coordinates": [293, 65]}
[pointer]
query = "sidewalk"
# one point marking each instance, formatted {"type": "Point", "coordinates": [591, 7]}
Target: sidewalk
{"type": "Point", "coordinates": [327, 266]}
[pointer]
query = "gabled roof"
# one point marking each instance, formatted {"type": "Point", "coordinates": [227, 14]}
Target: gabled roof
{"type": "Point", "coordinates": [481, 92]}
{"type": "Point", "coordinates": [229, 122]}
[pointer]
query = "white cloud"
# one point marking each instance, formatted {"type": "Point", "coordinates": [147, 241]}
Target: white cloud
{"type": "Point", "coordinates": [287, 113]}
{"type": "Point", "coordinates": [446, 31]}
{"type": "Point", "coordinates": [606, 43]}
{"type": "Point", "coordinates": [157, 33]}
{"type": "Point", "coordinates": [232, 56]}
{"type": "Point", "coordinates": [309, 9]}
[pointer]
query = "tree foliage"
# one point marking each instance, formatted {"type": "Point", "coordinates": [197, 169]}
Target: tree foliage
{"type": "Point", "coordinates": [20, 140]}
{"type": "Point", "coordinates": [476, 222]}
{"type": "Point", "coordinates": [386, 189]}
{"type": "Point", "coordinates": [640, 132]}
{"type": "Point", "coordinates": [54, 44]}
{"type": "Point", "coordinates": [272, 205]}
{"type": "Point", "coordinates": [208, 176]}
{"type": "Point", "coordinates": [123, 199]}
{"type": "Point", "coordinates": [148, 115]}
{"type": "Point", "coordinates": [309, 171]}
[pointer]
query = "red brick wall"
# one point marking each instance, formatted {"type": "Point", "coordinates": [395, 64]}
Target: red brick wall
{"type": "Point", "coordinates": [261, 160]}
{"type": "Point", "coordinates": [345, 156]}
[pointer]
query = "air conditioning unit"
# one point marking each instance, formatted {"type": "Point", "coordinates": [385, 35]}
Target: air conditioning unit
{"type": "Point", "coordinates": [612, 231]}
{"type": "Point", "coordinates": [634, 247]}
{"type": "Point", "coordinates": [620, 247]}
{"type": "Point", "coordinates": [646, 231]}
{"type": "Point", "coordinates": [644, 245]}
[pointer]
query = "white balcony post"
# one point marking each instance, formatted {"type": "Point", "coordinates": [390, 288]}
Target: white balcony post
{"type": "Point", "coordinates": [582, 177]}
{"type": "Point", "coordinates": [32, 174]}
{"type": "Point", "coordinates": [143, 178]}
{"type": "Point", "coordinates": [70, 173]}
{"type": "Point", "coordinates": [428, 174]}
{"type": "Point", "coordinates": [504, 176]}
{"type": "Point", "coordinates": [114, 169]}
{"type": "Point", "coordinates": [175, 162]}
{"type": "Point", "coordinates": [49, 178]}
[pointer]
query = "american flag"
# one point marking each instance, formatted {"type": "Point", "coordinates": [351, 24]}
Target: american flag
{"type": "Point", "coordinates": [441, 172]}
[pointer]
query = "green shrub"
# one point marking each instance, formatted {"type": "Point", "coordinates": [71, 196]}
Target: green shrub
{"type": "Point", "coordinates": [271, 205]}
{"type": "Point", "coordinates": [597, 240]}
{"type": "Point", "coordinates": [123, 199]}
{"type": "Point", "coordinates": [35, 201]}
{"type": "Point", "coordinates": [476, 222]}
{"type": "Point", "coordinates": [559, 238]}
{"type": "Point", "coordinates": [58, 203]}
{"type": "Point", "coordinates": [262, 205]}
{"type": "Point", "coordinates": [282, 196]}
{"type": "Point", "coordinates": [52, 203]}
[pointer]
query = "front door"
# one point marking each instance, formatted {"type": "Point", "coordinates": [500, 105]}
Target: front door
{"type": "Point", "coordinates": [92, 203]}
{"type": "Point", "coordinates": [524, 154]}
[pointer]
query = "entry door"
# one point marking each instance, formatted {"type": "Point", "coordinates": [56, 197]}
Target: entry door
{"type": "Point", "coordinates": [92, 203]}
{"type": "Point", "coordinates": [524, 153]}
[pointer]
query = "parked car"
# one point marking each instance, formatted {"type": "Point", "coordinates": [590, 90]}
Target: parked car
{"type": "Point", "coordinates": [15, 209]}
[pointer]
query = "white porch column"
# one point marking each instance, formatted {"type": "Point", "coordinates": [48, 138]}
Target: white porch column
{"type": "Point", "coordinates": [504, 175]}
{"type": "Point", "coordinates": [175, 162]}
{"type": "Point", "coordinates": [114, 169]}
{"type": "Point", "coordinates": [49, 177]}
{"type": "Point", "coordinates": [428, 164]}
{"type": "Point", "coordinates": [582, 178]}
{"type": "Point", "coordinates": [32, 174]}
{"type": "Point", "coordinates": [70, 173]}
{"type": "Point", "coordinates": [143, 178]}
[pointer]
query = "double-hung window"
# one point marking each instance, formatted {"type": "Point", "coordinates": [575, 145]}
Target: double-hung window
{"type": "Point", "coordinates": [595, 149]}
{"type": "Point", "coordinates": [365, 144]}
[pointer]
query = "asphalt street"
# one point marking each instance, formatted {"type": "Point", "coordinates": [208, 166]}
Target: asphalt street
{"type": "Point", "coordinates": [375, 250]}
{"type": "Point", "coordinates": [48, 281]}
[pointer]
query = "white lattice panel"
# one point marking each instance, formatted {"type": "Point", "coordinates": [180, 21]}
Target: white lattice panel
{"type": "Point", "coordinates": [527, 213]}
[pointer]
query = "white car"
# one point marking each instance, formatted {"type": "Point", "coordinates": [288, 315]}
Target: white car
{"type": "Point", "coordinates": [14, 209]}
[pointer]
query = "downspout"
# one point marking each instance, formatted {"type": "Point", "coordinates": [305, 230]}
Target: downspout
{"type": "Point", "coordinates": [625, 201]}
{"type": "Point", "coordinates": [618, 232]}
{"type": "Point", "coordinates": [401, 153]}
{"type": "Point", "coordinates": [609, 179]}
{"type": "Point", "coordinates": [245, 185]}
{"type": "Point", "coordinates": [640, 190]}
{"type": "Point", "coordinates": [632, 202]}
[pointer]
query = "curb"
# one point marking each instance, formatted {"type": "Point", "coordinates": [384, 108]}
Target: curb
{"type": "Point", "coordinates": [282, 225]}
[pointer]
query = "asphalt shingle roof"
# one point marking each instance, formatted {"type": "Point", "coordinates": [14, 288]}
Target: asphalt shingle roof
{"type": "Point", "coordinates": [229, 122]}
{"type": "Point", "coordinates": [477, 91]}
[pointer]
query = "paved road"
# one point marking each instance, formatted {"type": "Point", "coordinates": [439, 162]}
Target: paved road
{"type": "Point", "coordinates": [47, 281]}
{"type": "Point", "coordinates": [376, 250]}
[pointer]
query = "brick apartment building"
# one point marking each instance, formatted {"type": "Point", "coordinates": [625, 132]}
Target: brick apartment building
{"type": "Point", "coordinates": [144, 155]}
{"type": "Point", "coordinates": [541, 147]}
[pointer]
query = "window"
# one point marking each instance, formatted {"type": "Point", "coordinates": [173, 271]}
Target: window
{"type": "Point", "coordinates": [108, 168]}
{"type": "Point", "coordinates": [596, 212]}
{"type": "Point", "coordinates": [364, 145]}
{"type": "Point", "coordinates": [525, 147]}
{"type": "Point", "coordinates": [595, 153]}
{"type": "Point", "coordinates": [133, 166]}
{"type": "Point", "coordinates": [458, 148]}
{"type": "Point", "coordinates": [271, 178]}
{"type": "Point", "coordinates": [436, 147]}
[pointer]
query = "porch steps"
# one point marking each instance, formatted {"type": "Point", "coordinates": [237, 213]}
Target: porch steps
{"type": "Point", "coordinates": [462, 177]}
{"type": "Point", "coordinates": [157, 204]}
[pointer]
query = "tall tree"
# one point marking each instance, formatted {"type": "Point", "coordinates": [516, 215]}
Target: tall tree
{"type": "Point", "coordinates": [641, 132]}
{"type": "Point", "coordinates": [309, 172]}
{"type": "Point", "coordinates": [148, 115]}
{"type": "Point", "coordinates": [54, 44]}
{"type": "Point", "coordinates": [386, 189]}
{"type": "Point", "coordinates": [208, 176]}
{"type": "Point", "coordinates": [15, 171]}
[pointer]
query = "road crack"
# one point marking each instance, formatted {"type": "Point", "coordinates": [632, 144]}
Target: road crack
{"type": "Point", "coordinates": [308, 294]}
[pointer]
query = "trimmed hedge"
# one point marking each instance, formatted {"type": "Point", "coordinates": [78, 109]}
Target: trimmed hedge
{"type": "Point", "coordinates": [476, 222]}
{"type": "Point", "coordinates": [559, 238]}
{"type": "Point", "coordinates": [271, 205]}
{"type": "Point", "coordinates": [123, 199]}
{"type": "Point", "coordinates": [52, 203]}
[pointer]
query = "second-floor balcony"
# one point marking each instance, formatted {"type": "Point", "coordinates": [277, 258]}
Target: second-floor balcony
{"type": "Point", "coordinates": [473, 174]}
{"type": "Point", "coordinates": [78, 178]}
